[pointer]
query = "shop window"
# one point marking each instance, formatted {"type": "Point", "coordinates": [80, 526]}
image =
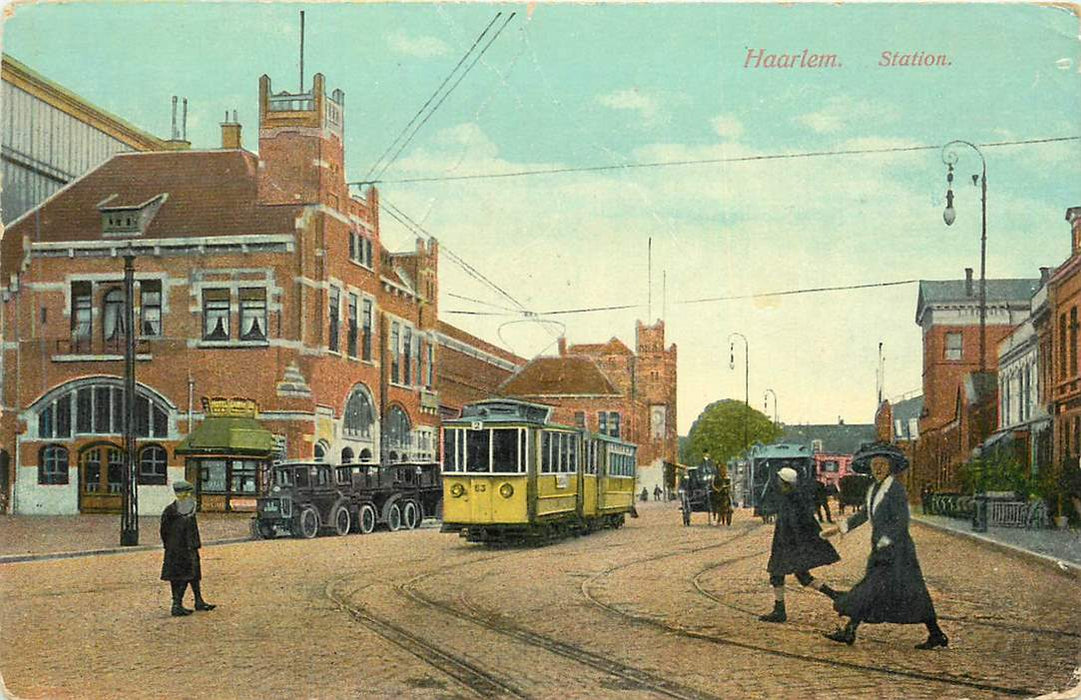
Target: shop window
{"type": "Point", "coordinates": [243, 474]}
{"type": "Point", "coordinates": [150, 307]}
{"type": "Point", "coordinates": [212, 476]}
{"type": "Point", "coordinates": [53, 465]}
{"type": "Point", "coordinates": [253, 313]}
{"type": "Point", "coordinates": [153, 464]}
{"type": "Point", "coordinates": [216, 314]}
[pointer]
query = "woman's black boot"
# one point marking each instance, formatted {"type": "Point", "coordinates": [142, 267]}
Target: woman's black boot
{"type": "Point", "coordinates": [846, 634]}
{"type": "Point", "coordinates": [935, 637]}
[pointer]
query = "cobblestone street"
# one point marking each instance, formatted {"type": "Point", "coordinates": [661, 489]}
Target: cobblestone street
{"type": "Point", "coordinates": [654, 609]}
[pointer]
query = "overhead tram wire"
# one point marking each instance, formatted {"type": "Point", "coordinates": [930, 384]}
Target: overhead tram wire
{"type": "Point", "coordinates": [433, 96]}
{"type": "Point", "coordinates": [736, 297]}
{"type": "Point", "coordinates": [407, 221]}
{"type": "Point", "coordinates": [703, 161]}
{"type": "Point", "coordinates": [442, 99]}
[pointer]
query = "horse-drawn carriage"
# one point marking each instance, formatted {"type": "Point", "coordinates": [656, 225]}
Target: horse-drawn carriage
{"type": "Point", "coordinates": [704, 489]}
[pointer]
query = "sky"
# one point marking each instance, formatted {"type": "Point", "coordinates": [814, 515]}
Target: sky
{"type": "Point", "coordinates": [576, 85]}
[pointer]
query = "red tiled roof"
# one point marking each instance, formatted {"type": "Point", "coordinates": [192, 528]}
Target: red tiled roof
{"type": "Point", "coordinates": [613, 347]}
{"type": "Point", "coordinates": [469, 339]}
{"type": "Point", "coordinates": [209, 193]}
{"type": "Point", "coordinates": [546, 376]}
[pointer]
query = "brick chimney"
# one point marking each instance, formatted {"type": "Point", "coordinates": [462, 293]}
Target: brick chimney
{"type": "Point", "coordinates": [1073, 216]}
{"type": "Point", "coordinates": [230, 132]}
{"type": "Point", "coordinates": [968, 281]}
{"type": "Point", "coordinates": [1045, 275]}
{"type": "Point", "coordinates": [562, 346]}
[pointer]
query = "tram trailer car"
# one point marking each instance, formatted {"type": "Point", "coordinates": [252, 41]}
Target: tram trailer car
{"type": "Point", "coordinates": [766, 461]}
{"type": "Point", "coordinates": [307, 498]}
{"type": "Point", "coordinates": [511, 475]}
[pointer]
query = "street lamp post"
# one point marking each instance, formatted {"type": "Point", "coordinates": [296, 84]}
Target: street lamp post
{"type": "Point", "coordinates": [765, 404]}
{"type": "Point", "coordinates": [746, 389]}
{"type": "Point", "coordinates": [949, 157]}
{"type": "Point", "coordinates": [129, 515]}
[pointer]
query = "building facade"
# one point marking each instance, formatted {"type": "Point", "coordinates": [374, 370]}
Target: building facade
{"type": "Point", "coordinates": [959, 403]}
{"type": "Point", "coordinates": [257, 278]}
{"type": "Point", "coordinates": [1063, 367]}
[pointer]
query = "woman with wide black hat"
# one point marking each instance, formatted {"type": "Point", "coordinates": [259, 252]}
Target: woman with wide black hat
{"type": "Point", "coordinates": [892, 589]}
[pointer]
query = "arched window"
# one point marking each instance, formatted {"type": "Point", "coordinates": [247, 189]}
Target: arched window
{"type": "Point", "coordinates": [321, 451]}
{"type": "Point", "coordinates": [359, 416]}
{"type": "Point", "coordinates": [365, 455]}
{"type": "Point", "coordinates": [97, 408]}
{"type": "Point", "coordinates": [347, 455]}
{"type": "Point", "coordinates": [112, 320]}
{"type": "Point", "coordinates": [53, 465]}
{"type": "Point", "coordinates": [396, 434]}
{"type": "Point", "coordinates": [153, 462]}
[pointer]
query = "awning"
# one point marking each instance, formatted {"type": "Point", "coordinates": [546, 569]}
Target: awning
{"type": "Point", "coordinates": [228, 435]}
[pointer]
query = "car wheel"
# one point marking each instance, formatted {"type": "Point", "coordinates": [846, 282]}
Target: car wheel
{"type": "Point", "coordinates": [410, 515]}
{"type": "Point", "coordinates": [342, 521]}
{"type": "Point", "coordinates": [366, 519]}
{"type": "Point", "coordinates": [308, 523]}
{"type": "Point", "coordinates": [394, 518]}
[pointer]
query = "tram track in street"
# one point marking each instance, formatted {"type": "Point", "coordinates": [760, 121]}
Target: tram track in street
{"type": "Point", "coordinates": [651, 621]}
{"type": "Point", "coordinates": [467, 673]}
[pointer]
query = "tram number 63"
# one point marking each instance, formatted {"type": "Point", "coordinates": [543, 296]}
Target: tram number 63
{"type": "Point", "coordinates": [479, 488]}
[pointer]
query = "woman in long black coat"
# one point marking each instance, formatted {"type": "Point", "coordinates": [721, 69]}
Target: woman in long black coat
{"type": "Point", "coordinates": [892, 589]}
{"type": "Point", "coordinates": [797, 547]}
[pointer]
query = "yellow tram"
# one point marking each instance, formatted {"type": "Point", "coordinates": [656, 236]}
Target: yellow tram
{"type": "Point", "coordinates": [510, 474]}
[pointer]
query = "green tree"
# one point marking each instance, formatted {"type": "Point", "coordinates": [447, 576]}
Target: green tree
{"type": "Point", "coordinates": [719, 430]}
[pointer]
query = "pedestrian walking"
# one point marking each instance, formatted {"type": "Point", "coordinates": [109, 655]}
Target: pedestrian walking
{"type": "Point", "coordinates": [797, 547]}
{"type": "Point", "coordinates": [892, 589]}
{"type": "Point", "coordinates": [656, 493]}
{"type": "Point", "coordinates": [822, 501]}
{"type": "Point", "coordinates": [180, 535]}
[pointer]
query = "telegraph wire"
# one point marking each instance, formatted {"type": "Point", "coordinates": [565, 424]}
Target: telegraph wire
{"type": "Point", "coordinates": [444, 97]}
{"type": "Point", "coordinates": [433, 96]}
{"type": "Point", "coordinates": [701, 161]}
{"type": "Point", "coordinates": [480, 301]}
{"type": "Point", "coordinates": [735, 297]}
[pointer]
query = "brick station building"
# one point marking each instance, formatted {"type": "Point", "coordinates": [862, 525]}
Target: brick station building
{"type": "Point", "coordinates": [258, 278]}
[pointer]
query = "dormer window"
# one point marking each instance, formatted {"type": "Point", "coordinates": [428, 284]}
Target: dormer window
{"type": "Point", "coordinates": [121, 218]}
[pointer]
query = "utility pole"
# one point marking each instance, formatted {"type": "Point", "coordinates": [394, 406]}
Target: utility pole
{"type": "Point", "coordinates": [129, 515]}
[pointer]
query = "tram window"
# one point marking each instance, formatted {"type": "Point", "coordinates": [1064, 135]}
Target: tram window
{"type": "Point", "coordinates": [546, 452]}
{"type": "Point", "coordinates": [505, 450]}
{"type": "Point", "coordinates": [450, 450]}
{"type": "Point", "coordinates": [283, 477]}
{"type": "Point", "coordinates": [574, 453]}
{"type": "Point", "coordinates": [302, 478]}
{"type": "Point", "coordinates": [477, 451]}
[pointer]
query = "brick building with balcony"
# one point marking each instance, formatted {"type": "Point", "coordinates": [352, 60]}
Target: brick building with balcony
{"type": "Point", "coordinates": [259, 277]}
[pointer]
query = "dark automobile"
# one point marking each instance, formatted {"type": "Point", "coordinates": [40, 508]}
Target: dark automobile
{"type": "Point", "coordinates": [307, 498]}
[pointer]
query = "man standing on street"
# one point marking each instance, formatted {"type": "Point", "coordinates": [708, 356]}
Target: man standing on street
{"type": "Point", "coordinates": [180, 535]}
{"type": "Point", "coordinates": [822, 500]}
{"type": "Point", "coordinates": [797, 547]}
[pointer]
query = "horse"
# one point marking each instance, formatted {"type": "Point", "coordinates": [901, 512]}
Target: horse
{"type": "Point", "coordinates": [720, 501]}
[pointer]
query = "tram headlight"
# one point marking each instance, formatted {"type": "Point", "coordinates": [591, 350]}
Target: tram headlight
{"type": "Point", "coordinates": [506, 490]}
{"type": "Point", "coordinates": [457, 490]}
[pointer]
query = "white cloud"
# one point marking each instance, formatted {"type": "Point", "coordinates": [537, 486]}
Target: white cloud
{"type": "Point", "coordinates": [727, 127]}
{"type": "Point", "coordinates": [846, 113]}
{"type": "Point", "coordinates": [416, 46]}
{"type": "Point", "coordinates": [647, 106]}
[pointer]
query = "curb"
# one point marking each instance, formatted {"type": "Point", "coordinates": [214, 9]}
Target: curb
{"type": "Point", "coordinates": [21, 558]}
{"type": "Point", "coordinates": [1066, 568]}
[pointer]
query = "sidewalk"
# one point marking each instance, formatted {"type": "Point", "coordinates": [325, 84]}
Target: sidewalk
{"type": "Point", "coordinates": [1055, 546]}
{"type": "Point", "coordinates": [30, 535]}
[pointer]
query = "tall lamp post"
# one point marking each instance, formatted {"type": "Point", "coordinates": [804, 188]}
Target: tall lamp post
{"type": "Point", "coordinates": [129, 514]}
{"type": "Point", "coordinates": [949, 157]}
{"type": "Point", "coordinates": [765, 404]}
{"type": "Point", "coordinates": [746, 389]}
